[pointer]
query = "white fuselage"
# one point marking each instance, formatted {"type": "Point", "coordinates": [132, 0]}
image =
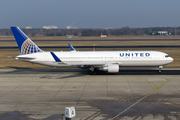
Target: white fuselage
{"type": "Point", "coordinates": [99, 58]}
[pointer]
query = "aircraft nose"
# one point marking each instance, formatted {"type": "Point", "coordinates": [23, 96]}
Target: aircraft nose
{"type": "Point", "coordinates": [171, 59]}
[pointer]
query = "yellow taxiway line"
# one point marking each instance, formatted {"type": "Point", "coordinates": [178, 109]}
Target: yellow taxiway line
{"type": "Point", "coordinates": [155, 89]}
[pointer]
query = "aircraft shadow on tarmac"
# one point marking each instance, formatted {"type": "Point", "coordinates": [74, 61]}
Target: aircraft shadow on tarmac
{"type": "Point", "coordinates": [82, 72]}
{"type": "Point", "coordinates": [127, 72]}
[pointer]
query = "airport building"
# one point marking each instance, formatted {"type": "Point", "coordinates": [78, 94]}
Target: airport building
{"type": "Point", "coordinates": [103, 36]}
{"type": "Point", "coordinates": [163, 32]}
{"type": "Point", "coordinates": [50, 27]}
{"type": "Point", "coordinates": [28, 27]}
{"type": "Point", "coordinates": [70, 27]}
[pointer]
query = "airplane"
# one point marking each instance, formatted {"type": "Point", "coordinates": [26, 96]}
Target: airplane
{"type": "Point", "coordinates": [108, 61]}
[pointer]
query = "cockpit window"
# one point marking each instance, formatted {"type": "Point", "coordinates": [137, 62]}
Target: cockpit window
{"type": "Point", "coordinates": [167, 56]}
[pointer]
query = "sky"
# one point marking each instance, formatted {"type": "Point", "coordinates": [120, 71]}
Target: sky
{"type": "Point", "coordinates": [90, 13]}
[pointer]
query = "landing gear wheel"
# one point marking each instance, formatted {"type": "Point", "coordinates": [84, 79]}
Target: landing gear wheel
{"type": "Point", "coordinates": [90, 72]}
{"type": "Point", "coordinates": [160, 67]}
{"type": "Point", "coordinates": [95, 71]}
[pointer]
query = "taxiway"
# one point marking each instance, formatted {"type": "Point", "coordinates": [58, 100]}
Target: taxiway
{"type": "Point", "coordinates": [43, 94]}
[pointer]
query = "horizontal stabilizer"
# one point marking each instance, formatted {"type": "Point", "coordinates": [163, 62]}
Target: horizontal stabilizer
{"type": "Point", "coordinates": [55, 57]}
{"type": "Point", "coordinates": [24, 58]}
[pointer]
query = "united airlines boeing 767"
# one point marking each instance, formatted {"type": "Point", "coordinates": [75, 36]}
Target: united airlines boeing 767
{"type": "Point", "coordinates": [109, 61]}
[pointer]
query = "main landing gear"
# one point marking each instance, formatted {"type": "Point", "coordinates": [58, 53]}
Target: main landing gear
{"type": "Point", "coordinates": [92, 71]}
{"type": "Point", "coordinates": [160, 67]}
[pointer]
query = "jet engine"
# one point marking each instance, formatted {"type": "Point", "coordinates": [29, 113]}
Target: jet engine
{"type": "Point", "coordinates": [111, 68]}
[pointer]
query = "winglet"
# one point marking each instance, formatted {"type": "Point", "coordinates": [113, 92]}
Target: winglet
{"type": "Point", "coordinates": [55, 57]}
{"type": "Point", "coordinates": [72, 48]}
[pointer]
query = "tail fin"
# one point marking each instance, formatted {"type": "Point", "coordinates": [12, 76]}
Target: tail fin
{"type": "Point", "coordinates": [26, 46]}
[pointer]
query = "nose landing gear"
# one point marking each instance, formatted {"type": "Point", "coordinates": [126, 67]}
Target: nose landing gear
{"type": "Point", "coordinates": [160, 67]}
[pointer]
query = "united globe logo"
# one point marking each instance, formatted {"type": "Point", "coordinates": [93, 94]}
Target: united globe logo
{"type": "Point", "coordinates": [29, 47]}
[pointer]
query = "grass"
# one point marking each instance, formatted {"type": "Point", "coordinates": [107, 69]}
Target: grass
{"type": "Point", "coordinates": [94, 37]}
{"type": "Point", "coordinates": [97, 43]}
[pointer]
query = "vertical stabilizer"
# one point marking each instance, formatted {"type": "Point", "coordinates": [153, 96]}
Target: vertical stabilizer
{"type": "Point", "coordinates": [26, 46]}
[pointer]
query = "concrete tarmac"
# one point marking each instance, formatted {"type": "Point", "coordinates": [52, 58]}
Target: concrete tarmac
{"type": "Point", "coordinates": [38, 94]}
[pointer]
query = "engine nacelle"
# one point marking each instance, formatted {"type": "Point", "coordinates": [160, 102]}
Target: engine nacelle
{"type": "Point", "coordinates": [111, 68]}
